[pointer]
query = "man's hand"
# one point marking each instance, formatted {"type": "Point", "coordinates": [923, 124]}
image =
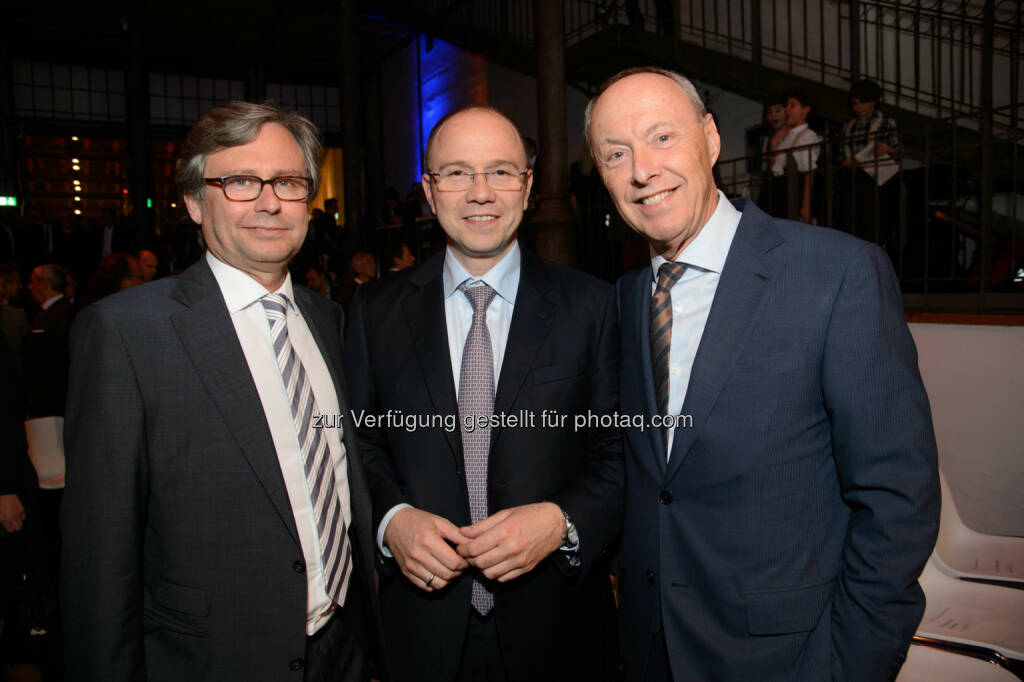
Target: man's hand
{"type": "Point", "coordinates": [12, 514]}
{"type": "Point", "coordinates": [419, 541]}
{"type": "Point", "coordinates": [511, 542]}
{"type": "Point", "coordinates": [882, 149]}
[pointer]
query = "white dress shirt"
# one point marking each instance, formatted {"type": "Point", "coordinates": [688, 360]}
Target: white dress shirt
{"type": "Point", "coordinates": [242, 295]}
{"type": "Point", "coordinates": [692, 296]}
{"type": "Point", "coordinates": [458, 314]}
{"type": "Point", "coordinates": [50, 301]}
{"type": "Point", "coordinates": [806, 158]}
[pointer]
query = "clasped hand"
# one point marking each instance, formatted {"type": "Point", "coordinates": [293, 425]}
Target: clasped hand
{"type": "Point", "coordinates": [431, 551]}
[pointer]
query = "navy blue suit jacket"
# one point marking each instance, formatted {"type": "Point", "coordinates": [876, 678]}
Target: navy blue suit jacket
{"type": "Point", "coordinates": [783, 538]}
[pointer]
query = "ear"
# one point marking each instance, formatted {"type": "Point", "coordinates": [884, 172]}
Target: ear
{"type": "Point", "coordinates": [529, 184]}
{"type": "Point", "coordinates": [195, 208]}
{"type": "Point", "coordinates": [714, 141]}
{"type": "Point", "coordinates": [428, 189]}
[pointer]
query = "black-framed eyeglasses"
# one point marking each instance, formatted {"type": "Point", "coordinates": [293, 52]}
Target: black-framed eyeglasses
{"type": "Point", "coordinates": [249, 187]}
{"type": "Point", "coordinates": [461, 179]}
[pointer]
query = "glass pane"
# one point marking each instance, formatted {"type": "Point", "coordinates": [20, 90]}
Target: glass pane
{"type": "Point", "coordinates": [43, 99]}
{"type": "Point", "coordinates": [22, 72]}
{"type": "Point", "coordinates": [157, 110]}
{"type": "Point", "coordinates": [61, 76]}
{"type": "Point", "coordinates": [41, 73]}
{"type": "Point", "coordinates": [23, 99]}
{"type": "Point", "coordinates": [62, 102]}
{"type": "Point", "coordinates": [173, 86]}
{"type": "Point", "coordinates": [79, 77]}
{"type": "Point", "coordinates": [99, 105]}
{"type": "Point", "coordinates": [98, 79]}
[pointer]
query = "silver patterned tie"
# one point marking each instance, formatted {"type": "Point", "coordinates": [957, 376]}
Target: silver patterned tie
{"type": "Point", "coordinates": [476, 398]}
{"type": "Point", "coordinates": [335, 548]}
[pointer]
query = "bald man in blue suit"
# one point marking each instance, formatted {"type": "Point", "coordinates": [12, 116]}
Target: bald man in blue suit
{"type": "Point", "coordinates": [778, 531]}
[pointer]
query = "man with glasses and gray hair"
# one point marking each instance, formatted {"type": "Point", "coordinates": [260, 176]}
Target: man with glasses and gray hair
{"type": "Point", "coordinates": [493, 505]}
{"type": "Point", "coordinates": [213, 529]}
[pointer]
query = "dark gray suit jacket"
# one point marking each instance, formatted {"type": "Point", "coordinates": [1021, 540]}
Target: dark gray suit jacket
{"type": "Point", "coordinates": [181, 558]}
{"type": "Point", "coordinates": [783, 538]}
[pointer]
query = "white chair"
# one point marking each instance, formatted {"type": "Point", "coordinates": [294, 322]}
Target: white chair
{"type": "Point", "coordinates": [926, 664]}
{"type": "Point", "coordinates": [975, 614]}
{"type": "Point", "coordinates": [964, 553]}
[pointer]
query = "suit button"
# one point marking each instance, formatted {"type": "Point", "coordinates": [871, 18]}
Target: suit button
{"type": "Point", "coordinates": [650, 576]}
{"type": "Point", "coordinates": [299, 567]}
{"type": "Point", "coordinates": [295, 664]}
{"type": "Point", "coordinates": [665, 497]}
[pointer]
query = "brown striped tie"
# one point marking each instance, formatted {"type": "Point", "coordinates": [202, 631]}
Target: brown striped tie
{"type": "Point", "coordinates": [661, 329]}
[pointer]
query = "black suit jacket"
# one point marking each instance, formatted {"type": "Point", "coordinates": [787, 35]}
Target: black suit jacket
{"type": "Point", "coordinates": [783, 538]}
{"type": "Point", "coordinates": [181, 558]}
{"type": "Point", "coordinates": [45, 360]}
{"type": "Point", "coordinates": [562, 354]}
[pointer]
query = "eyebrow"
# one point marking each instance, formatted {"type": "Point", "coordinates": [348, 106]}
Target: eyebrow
{"type": "Point", "coordinates": [275, 174]}
{"type": "Point", "coordinates": [650, 129]}
{"type": "Point", "coordinates": [467, 164]}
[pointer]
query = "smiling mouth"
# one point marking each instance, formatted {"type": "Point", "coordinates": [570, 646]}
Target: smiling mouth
{"type": "Point", "coordinates": [655, 198]}
{"type": "Point", "coordinates": [481, 218]}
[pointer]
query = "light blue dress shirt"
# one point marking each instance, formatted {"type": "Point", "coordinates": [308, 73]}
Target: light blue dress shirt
{"type": "Point", "coordinates": [692, 297]}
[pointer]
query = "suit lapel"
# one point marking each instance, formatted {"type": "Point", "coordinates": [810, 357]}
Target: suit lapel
{"type": "Point", "coordinates": [747, 278]}
{"type": "Point", "coordinates": [209, 337]}
{"type": "Point", "coordinates": [636, 326]}
{"type": "Point", "coordinates": [532, 315]}
{"type": "Point", "coordinates": [327, 334]}
{"type": "Point", "coordinates": [424, 313]}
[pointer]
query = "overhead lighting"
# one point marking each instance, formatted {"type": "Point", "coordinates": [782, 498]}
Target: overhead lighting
{"type": "Point", "coordinates": [78, 188]}
{"type": "Point", "coordinates": [74, 138]}
{"type": "Point", "coordinates": [78, 211]}
{"type": "Point", "coordinates": [78, 198]}
{"type": "Point", "coordinates": [174, 205]}
{"type": "Point", "coordinates": [74, 160]}
{"type": "Point", "coordinates": [76, 167]}
{"type": "Point", "coordinates": [77, 182]}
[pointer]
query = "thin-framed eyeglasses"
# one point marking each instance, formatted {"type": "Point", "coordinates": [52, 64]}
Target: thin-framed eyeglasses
{"type": "Point", "coordinates": [461, 179]}
{"type": "Point", "coordinates": [249, 187]}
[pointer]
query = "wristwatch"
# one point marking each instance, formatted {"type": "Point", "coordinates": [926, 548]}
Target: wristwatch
{"type": "Point", "coordinates": [571, 537]}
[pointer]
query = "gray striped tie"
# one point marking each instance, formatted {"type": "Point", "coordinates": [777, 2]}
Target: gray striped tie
{"type": "Point", "coordinates": [316, 457]}
{"type": "Point", "coordinates": [476, 398]}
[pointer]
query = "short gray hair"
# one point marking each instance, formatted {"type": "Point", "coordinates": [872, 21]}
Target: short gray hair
{"type": "Point", "coordinates": [678, 78]}
{"type": "Point", "coordinates": [237, 123]}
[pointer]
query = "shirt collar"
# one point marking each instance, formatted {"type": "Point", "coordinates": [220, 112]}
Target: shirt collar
{"type": "Point", "coordinates": [709, 248]}
{"type": "Point", "coordinates": [239, 289]}
{"type": "Point", "coordinates": [503, 277]}
{"type": "Point", "coordinates": [50, 301]}
{"type": "Point", "coordinates": [796, 130]}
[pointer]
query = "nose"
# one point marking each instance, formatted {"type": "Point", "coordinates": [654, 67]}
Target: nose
{"type": "Point", "coordinates": [480, 191]}
{"type": "Point", "coordinates": [644, 166]}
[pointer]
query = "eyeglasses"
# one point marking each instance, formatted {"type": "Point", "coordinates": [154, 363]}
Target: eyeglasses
{"type": "Point", "coordinates": [461, 179]}
{"type": "Point", "coordinates": [249, 187]}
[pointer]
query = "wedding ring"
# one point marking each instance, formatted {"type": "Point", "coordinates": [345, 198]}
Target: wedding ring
{"type": "Point", "coordinates": [430, 579]}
